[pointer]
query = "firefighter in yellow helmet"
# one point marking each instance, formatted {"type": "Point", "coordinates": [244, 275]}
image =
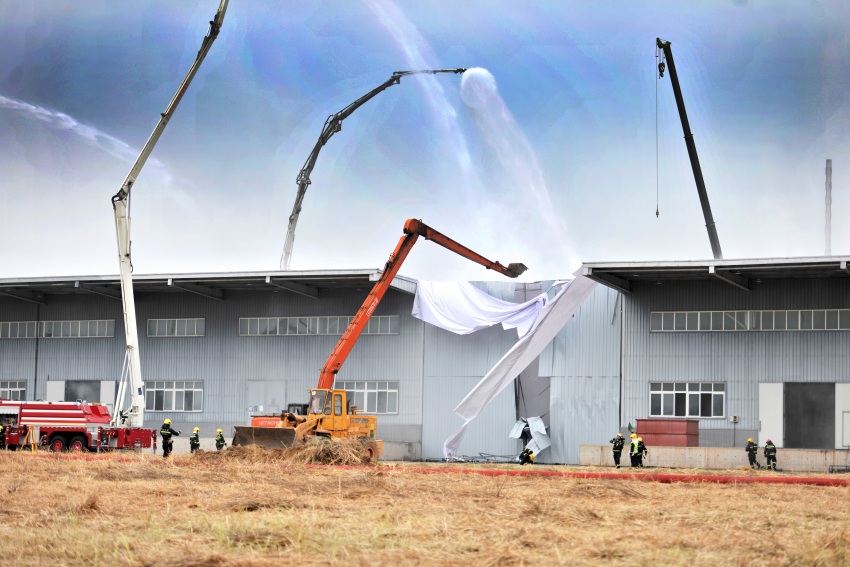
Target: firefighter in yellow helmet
{"type": "Point", "coordinates": [642, 451]}
{"type": "Point", "coordinates": [618, 443]}
{"type": "Point", "coordinates": [195, 440]}
{"type": "Point", "coordinates": [167, 432]}
{"type": "Point", "coordinates": [526, 457]}
{"type": "Point", "coordinates": [220, 443]}
{"type": "Point", "coordinates": [752, 450]}
{"type": "Point", "coordinates": [633, 450]}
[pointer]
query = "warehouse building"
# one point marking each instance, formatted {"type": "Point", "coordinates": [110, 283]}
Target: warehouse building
{"type": "Point", "coordinates": [748, 348]}
{"type": "Point", "coordinates": [217, 348]}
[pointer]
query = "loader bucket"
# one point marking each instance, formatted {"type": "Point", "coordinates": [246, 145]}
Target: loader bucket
{"type": "Point", "coordinates": [267, 437]}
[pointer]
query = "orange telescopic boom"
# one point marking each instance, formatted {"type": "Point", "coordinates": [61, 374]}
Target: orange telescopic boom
{"type": "Point", "coordinates": [413, 229]}
{"type": "Point", "coordinates": [329, 413]}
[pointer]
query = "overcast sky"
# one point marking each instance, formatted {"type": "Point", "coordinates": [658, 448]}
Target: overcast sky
{"type": "Point", "coordinates": [549, 157]}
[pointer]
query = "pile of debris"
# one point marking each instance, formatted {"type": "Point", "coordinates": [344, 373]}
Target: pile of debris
{"type": "Point", "coordinates": [315, 452]}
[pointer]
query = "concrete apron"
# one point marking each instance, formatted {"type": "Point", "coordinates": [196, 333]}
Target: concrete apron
{"type": "Point", "coordinates": [790, 460]}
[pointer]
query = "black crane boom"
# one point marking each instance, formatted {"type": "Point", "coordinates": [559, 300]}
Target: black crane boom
{"type": "Point", "coordinates": [692, 148]}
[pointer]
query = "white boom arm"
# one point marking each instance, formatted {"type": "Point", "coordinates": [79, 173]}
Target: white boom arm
{"type": "Point", "coordinates": [134, 415]}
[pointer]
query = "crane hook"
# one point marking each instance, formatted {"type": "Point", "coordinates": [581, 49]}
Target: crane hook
{"type": "Point", "coordinates": [661, 67]}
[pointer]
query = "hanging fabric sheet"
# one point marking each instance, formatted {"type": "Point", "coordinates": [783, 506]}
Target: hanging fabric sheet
{"type": "Point", "coordinates": [553, 316]}
{"type": "Point", "coordinates": [462, 308]}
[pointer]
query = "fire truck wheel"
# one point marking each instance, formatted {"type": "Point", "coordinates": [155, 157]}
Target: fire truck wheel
{"type": "Point", "coordinates": [57, 444]}
{"type": "Point", "coordinates": [78, 444]}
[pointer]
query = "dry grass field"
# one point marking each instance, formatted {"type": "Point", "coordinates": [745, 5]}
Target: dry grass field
{"type": "Point", "coordinates": [230, 509]}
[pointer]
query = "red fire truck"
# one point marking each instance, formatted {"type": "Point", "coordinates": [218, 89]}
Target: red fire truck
{"type": "Point", "coordinates": [77, 426]}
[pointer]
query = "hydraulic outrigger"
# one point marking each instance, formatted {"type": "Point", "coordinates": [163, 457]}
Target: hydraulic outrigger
{"type": "Point", "coordinates": [132, 370]}
{"type": "Point", "coordinates": [333, 125]}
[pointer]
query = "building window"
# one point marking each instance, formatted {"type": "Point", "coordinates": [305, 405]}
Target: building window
{"type": "Point", "coordinates": [279, 326]}
{"type": "Point", "coordinates": [687, 399]}
{"type": "Point", "coordinates": [371, 397]}
{"type": "Point", "coordinates": [13, 389]}
{"type": "Point", "coordinates": [176, 327]}
{"type": "Point", "coordinates": [17, 330]}
{"type": "Point", "coordinates": [174, 396]}
{"type": "Point", "coordinates": [781, 320]}
{"type": "Point", "coordinates": [57, 329]}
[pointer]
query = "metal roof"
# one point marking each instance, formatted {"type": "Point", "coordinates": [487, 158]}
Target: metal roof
{"type": "Point", "coordinates": [212, 285]}
{"type": "Point", "coordinates": [738, 273]}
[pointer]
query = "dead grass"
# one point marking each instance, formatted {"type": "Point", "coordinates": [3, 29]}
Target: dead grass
{"type": "Point", "coordinates": [228, 509]}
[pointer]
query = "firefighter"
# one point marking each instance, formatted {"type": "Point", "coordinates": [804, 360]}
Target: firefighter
{"type": "Point", "coordinates": [642, 451]}
{"type": "Point", "coordinates": [633, 450]}
{"type": "Point", "coordinates": [195, 440]}
{"type": "Point", "coordinates": [167, 432]}
{"type": "Point", "coordinates": [2, 435]}
{"type": "Point", "coordinates": [752, 450]}
{"type": "Point", "coordinates": [618, 443]}
{"type": "Point", "coordinates": [220, 443]}
{"type": "Point", "coordinates": [770, 454]}
{"type": "Point", "coordinates": [526, 457]}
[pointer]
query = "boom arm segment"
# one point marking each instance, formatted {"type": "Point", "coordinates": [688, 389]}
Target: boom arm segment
{"type": "Point", "coordinates": [134, 416]}
{"type": "Point", "coordinates": [692, 148]}
{"type": "Point", "coordinates": [333, 125]}
{"type": "Point", "coordinates": [413, 229]}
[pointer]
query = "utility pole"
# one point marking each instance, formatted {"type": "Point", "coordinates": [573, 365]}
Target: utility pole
{"type": "Point", "coordinates": [828, 228]}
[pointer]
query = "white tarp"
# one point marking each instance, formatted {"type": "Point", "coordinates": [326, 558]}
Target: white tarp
{"type": "Point", "coordinates": [462, 308]}
{"type": "Point", "coordinates": [554, 315]}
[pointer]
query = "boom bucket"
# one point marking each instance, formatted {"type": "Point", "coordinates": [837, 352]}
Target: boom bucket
{"type": "Point", "coordinates": [267, 437]}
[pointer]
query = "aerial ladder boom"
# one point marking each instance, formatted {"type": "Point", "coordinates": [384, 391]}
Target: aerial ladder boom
{"type": "Point", "coordinates": [413, 229]}
{"type": "Point", "coordinates": [134, 415]}
{"type": "Point", "coordinates": [692, 148]}
{"type": "Point", "coordinates": [333, 125]}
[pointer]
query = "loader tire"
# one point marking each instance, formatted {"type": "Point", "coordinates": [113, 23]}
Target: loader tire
{"type": "Point", "coordinates": [370, 452]}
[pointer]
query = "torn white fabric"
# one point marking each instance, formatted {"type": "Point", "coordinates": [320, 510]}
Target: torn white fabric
{"type": "Point", "coordinates": [517, 429]}
{"type": "Point", "coordinates": [554, 315]}
{"type": "Point", "coordinates": [535, 447]}
{"type": "Point", "coordinates": [462, 308]}
{"type": "Point", "coordinates": [538, 434]}
{"type": "Point", "coordinates": [536, 425]}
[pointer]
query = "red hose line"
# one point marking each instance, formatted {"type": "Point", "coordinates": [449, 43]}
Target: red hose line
{"type": "Point", "coordinates": [644, 477]}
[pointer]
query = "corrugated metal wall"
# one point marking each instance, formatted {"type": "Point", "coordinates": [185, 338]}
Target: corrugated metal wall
{"type": "Point", "coordinates": [487, 434]}
{"type": "Point", "coordinates": [740, 359]}
{"type": "Point", "coordinates": [61, 359]}
{"type": "Point", "coordinates": [453, 365]}
{"type": "Point", "coordinates": [585, 411]}
{"type": "Point", "coordinates": [222, 360]}
{"type": "Point", "coordinates": [583, 362]}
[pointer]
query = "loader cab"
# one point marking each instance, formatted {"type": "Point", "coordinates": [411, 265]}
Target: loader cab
{"type": "Point", "coordinates": [332, 406]}
{"type": "Point", "coordinates": [318, 401]}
